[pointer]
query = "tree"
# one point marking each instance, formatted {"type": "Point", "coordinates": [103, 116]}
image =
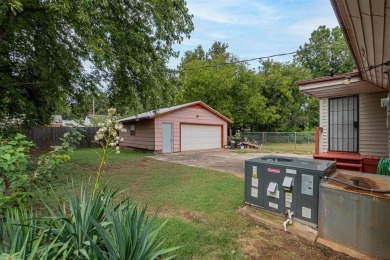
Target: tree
{"type": "Point", "coordinates": [277, 85]}
{"type": "Point", "coordinates": [97, 100]}
{"type": "Point", "coordinates": [65, 50]}
{"type": "Point", "coordinates": [326, 53]}
{"type": "Point", "coordinates": [215, 78]}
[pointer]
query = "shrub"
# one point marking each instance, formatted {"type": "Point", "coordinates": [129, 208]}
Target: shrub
{"type": "Point", "coordinates": [18, 172]}
{"type": "Point", "coordinates": [85, 225]}
{"type": "Point", "coordinates": [15, 165]}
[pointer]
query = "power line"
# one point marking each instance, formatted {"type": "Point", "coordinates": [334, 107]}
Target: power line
{"type": "Point", "coordinates": [369, 68]}
{"type": "Point", "coordinates": [238, 61]}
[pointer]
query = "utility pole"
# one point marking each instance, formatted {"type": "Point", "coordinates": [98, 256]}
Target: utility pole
{"type": "Point", "coordinates": [93, 108]}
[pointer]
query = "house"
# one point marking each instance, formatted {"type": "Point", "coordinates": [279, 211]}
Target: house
{"type": "Point", "coordinates": [190, 126]}
{"type": "Point", "coordinates": [93, 120]}
{"type": "Point", "coordinates": [57, 121]}
{"type": "Point", "coordinates": [354, 120]}
{"type": "Point", "coordinates": [87, 121]}
{"type": "Point", "coordinates": [353, 126]}
{"type": "Point", "coordinates": [70, 123]}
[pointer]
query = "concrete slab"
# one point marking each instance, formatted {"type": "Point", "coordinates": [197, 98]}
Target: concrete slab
{"type": "Point", "coordinates": [225, 160]}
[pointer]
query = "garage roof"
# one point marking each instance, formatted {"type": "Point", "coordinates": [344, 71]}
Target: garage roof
{"type": "Point", "coordinates": [164, 111]}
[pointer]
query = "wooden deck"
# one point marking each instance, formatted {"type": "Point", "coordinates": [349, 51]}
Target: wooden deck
{"type": "Point", "coordinates": [351, 161]}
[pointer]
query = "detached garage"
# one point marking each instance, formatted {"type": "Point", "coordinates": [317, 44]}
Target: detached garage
{"type": "Point", "coordinates": [191, 126]}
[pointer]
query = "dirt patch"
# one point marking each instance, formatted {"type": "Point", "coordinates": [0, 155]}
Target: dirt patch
{"type": "Point", "coordinates": [192, 216]}
{"type": "Point", "coordinates": [186, 216]}
{"type": "Point", "coordinates": [130, 164]}
{"type": "Point", "coordinates": [263, 243]}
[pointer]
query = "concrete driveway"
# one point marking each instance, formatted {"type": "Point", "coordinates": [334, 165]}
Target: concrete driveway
{"type": "Point", "coordinates": [224, 160]}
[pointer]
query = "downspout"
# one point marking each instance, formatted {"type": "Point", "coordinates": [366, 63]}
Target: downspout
{"type": "Point", "coordinates": [317, 142]}
{"type": "Point", "coordinates": [388, 97]}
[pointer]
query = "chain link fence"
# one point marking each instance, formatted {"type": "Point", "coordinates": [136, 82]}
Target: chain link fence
{"type": "Point", "coordinates": [287, 141]}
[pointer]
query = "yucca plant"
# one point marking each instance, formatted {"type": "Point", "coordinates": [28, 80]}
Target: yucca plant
{"type": "Point", "coordinates": [96, 228]}
{"type": "Point", "coordinates": [128, 234]}
{"type": "Point", "coordinates": [72, 218]}
{"type": "Point", "coordinates": [24, 236]}
{"type": "Point", "coordinates": [18, 230]}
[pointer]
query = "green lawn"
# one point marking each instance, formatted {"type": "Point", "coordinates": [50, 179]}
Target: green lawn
{"type": "Point", "coordinates": [200, 206]}
{"type": "Point", "coordinates": [305, 148]}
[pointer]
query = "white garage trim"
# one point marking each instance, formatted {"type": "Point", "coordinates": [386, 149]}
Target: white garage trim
{"type": "Point", "coordinates": [197, 137]}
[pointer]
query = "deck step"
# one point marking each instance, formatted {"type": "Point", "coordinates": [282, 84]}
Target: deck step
{"type": "Point", "coordinates": [354, 165]}
{"type": "Point", "coordinates": [336, 158]}
{"type": "Point", "coordinates": [343, 161]}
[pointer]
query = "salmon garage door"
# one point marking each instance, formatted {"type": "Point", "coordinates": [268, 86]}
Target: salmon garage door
{"type": "Point", "coordinates": [197, 137]}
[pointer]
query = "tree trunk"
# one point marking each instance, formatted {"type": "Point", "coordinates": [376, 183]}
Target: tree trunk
{"type": "Point", "coordinates": [6, 24]}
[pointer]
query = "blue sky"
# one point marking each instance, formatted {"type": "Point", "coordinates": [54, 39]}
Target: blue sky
{"type": "Point", "coordinates": [255, 28]}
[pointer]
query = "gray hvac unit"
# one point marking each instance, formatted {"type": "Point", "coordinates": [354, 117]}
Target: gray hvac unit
{"type": "Point", "coordinates": [278, 184]}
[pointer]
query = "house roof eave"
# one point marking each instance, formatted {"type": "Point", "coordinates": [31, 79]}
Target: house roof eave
{"type": "Point", "coordinates": [328, 78]}
{"type": "Point", "coordinates": [336, 87]}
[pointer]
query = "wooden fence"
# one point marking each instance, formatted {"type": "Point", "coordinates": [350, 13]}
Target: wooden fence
{"type": "Point", "coordinates": [44, 137]}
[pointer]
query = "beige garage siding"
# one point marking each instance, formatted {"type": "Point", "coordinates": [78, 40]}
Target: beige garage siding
{"type": "Point", "coordinates": [144, 135]}
{"type": "Point", "coordinates": [373, 133]}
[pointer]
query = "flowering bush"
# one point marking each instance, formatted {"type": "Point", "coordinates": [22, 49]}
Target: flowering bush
{"type": "Point", "coordinates": [108, 138]}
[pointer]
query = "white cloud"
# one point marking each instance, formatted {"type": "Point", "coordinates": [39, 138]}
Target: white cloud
{"type": "Point", "coordinates": [237, 12]}
{"type": "Point", "coordinates": [255, 28]}
{"type": "Point", "coordinates": [303, 29]}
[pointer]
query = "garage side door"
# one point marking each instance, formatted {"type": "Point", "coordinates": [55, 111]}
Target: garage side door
{"type": "Point", "coordinates": [196, 137]}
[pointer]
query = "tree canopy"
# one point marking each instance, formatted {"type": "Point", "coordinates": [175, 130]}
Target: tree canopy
{"type": "Point", "coordinates": [326, 53]}
{"type": "Point", "coordinates": [52, 51]}
{"type": "Point", "coordinates": [263, 100]}
{"type": "Point", "coordinates": [267, 99]}
{"type": "Point", "coordinates": [277, 83]}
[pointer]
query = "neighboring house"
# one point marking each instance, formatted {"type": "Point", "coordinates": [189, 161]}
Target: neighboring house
{"type": "Point", "coordinates": [353, 125]}
{"type": "Point", "coordinates": [15, 122]}
{"type": "Point", "coordinates": [56, 121]}
{"type": "Point", "coordinates": [59, 122]}
{"type": "Point", "coordinates": [185, 127]}
{"type": "Point", "coordinates": [93, 120]}
{"type": "Point", "coordinates": [70, 123]}
{"type": "Point", "coordinates": [87, 121]}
